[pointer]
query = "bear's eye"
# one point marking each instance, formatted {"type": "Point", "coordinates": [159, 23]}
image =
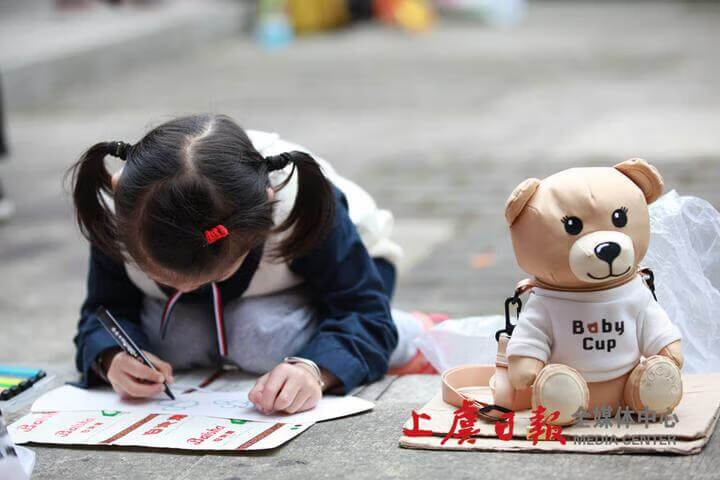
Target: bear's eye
{"type": "Point", "coordinates": [619, 217]}
{"type": "Point", "coordinates": [573, 225]}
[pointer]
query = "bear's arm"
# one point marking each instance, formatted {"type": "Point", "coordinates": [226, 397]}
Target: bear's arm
{"type": "Point", "coordinates": [655, 330]}
{"type": "Point", "coordinates": [532, 336]}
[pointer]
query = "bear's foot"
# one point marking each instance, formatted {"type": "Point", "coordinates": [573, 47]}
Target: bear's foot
{"type": "Point", "coordinates": [655, 384]}
{"type": "Point", "coordinates": [562, 389]}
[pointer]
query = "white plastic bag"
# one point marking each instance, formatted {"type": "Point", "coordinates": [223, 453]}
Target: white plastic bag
{"type": "Point", "coordinates": [16, 463]}
{"type": "Point", "coordinates": [460, 342]}
{"type": "Point", "coordinates": [684, 254]}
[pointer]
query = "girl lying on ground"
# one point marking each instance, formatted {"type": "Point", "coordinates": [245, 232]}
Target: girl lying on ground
{"type": "Point", "coordinates": [213, 245]}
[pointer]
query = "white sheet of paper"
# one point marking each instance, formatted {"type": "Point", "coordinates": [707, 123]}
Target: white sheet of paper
{"type": "Point", "coordinates": [151, 430]}
{"type": "Point", "coordinates": [209, 404]}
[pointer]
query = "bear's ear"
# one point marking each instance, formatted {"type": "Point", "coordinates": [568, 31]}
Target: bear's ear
{"type": "Point", "coordinates": [644, 176]}
{"type": "Point", "coordinates": [518, 199]}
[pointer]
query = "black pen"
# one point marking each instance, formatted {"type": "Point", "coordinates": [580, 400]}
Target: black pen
{"type": "Point", "coordinates": [125, 342]}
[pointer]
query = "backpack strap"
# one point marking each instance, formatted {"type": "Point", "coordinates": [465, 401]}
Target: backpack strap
{"type": "Point", "coordinates": [465, 383]}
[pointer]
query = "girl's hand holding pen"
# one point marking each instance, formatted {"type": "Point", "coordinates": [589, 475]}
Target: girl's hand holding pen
{"type": "Point", "coordinates": [132, 379]}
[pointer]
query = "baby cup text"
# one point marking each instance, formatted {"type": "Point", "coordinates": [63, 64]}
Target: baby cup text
{"type": "Point", "coordinates": [590, 343]}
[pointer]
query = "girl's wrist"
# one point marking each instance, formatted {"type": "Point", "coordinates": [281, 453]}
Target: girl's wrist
{"type": "Point", "coordinates": [325, 379]}
{"type": "Point", "coordinates": [103, 361]}
{"type": "Point", "coordinates": [329, 380]}
{"type": "Point", "coordinates": [308, 368]}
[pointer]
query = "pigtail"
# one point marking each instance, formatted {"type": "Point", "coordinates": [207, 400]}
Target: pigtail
{"type": "Point", "coordinates": [91, 183]}
{"type": "Point", "coordinates": [313, 213]}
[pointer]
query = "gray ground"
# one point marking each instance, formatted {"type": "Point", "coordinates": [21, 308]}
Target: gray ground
{"type": "Point", "coordinates": [439, 128]}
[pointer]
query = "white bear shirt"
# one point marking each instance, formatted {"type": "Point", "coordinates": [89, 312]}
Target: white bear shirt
{"type": "Point", "coordinates": [600, 334]}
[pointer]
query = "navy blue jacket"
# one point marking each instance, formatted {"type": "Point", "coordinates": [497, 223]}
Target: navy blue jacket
{"type": "Point", "coordinates": [356, 332]}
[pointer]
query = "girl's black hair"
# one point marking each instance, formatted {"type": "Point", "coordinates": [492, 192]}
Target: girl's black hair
{"type": "Point", "coordinates": [185, 177]}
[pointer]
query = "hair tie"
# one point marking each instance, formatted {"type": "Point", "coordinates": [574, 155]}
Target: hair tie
{"type": "Point", "coordinates": [278, 162]}
{"type": "Point", "coordinates": [118, 149]}
{"type": "Point", "coordinates": [216, 233]}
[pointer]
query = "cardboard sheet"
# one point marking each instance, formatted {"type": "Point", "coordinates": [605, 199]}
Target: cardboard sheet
{"type": "Point", "coordinates": [697, 416]}
{"type": "Point", "coordinates": [151, 430]}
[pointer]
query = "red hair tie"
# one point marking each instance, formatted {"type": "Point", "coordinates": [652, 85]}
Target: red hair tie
{"type": "Point", "coordinates": [216, 233]}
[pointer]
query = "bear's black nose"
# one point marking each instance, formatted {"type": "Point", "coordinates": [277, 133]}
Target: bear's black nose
{"type": "Point", "coordinates": [607, 251]}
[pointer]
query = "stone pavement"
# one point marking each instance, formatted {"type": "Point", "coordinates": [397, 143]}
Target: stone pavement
{"type": "Point", "coordinates": [439, 128]}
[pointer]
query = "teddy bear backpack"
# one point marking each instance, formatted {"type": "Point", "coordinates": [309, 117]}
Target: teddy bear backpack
{"type": "Point", "coordinates": [592, 334]}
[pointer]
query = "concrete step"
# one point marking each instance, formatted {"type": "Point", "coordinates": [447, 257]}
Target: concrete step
{"type": "Point", "coordinates": [44, 52]}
